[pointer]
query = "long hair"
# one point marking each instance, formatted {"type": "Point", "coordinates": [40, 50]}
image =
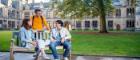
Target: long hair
{"type": "Point", "coordinates": [25, 24]}
{"type": "Point", "coordinates": [66, 24]}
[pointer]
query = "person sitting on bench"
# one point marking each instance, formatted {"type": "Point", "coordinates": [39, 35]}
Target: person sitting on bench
{"type": "Point", "coordinates": [60, 36]}
{"type": "Point", "coordinates": [26, 34]}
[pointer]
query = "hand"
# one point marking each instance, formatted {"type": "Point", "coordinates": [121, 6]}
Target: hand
{"type": "Point", "coordinates": [34, 43]}
{"type": "Point", "coordinates": [44, 27]}
{"type": "Point", "coordinates": [62, 41]}
{"type": "Point", "coordinates": [52, 40]}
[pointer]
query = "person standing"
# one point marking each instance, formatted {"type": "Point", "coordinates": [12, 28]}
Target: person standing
{"type": "Point", "coordinates": [39, 23]}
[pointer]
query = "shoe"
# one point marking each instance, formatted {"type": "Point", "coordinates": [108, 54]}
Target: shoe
{"type": "Point", "coordinates": [45, 56]}
{"type": "Point", "coordinates": [56, 59]}
{"type": "Point", "coordinates": [35, 54]}
{"type": "Point", "coordinates": [65, 58]}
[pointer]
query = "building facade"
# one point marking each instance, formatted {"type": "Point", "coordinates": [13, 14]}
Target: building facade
{"type": "Point", "coordinates": [10, 14]}
{"type": "Point", "coordinates": [126, 16]}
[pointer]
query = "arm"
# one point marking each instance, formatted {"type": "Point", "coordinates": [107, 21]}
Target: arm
{"type": "Point", "coordinates": [33, 39]}
{"type": "Point", "coordinates": [51, 36]}
{"type": "Point", "coordinates": [68, 35]}
{"type": "Point", "coordinates": [46, 24]}
{"type": "Point", "coordinates": [22, 35]}
{"type": "Point", "coordinates": [64, 35]}
{"type": "Point", "coordinates": [33, 36]}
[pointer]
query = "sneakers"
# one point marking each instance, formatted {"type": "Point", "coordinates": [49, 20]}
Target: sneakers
{"type": "Point", "coordinates": [56, 59]}
{"type": "Point", "coordinates": [65, 58]}
{"type": "Point", "coordinates": [35, 54]}
{"type": "Point", "coordinates": [45, 56]}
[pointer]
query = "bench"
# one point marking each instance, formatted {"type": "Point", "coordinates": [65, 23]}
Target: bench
{"type": "Point", "coordinates": [15, 46]}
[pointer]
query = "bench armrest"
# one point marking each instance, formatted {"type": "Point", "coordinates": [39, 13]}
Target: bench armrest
{"type": "Point", "coordinates": [12, 42]}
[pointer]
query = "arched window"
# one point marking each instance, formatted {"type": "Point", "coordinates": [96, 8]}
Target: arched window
{"type": "Point", "coordinates": [118, 12]}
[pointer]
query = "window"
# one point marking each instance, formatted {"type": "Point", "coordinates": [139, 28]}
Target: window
{"type": "Point", "coordinates": [78, 24]}
{"type": "Point", "coordinates": [110, 14]}
{"type": "Point", "coordinates": [94, 24]}
{"type": "Point", "coordinates": [87, 24]}
{"type": "Point", "coordinates": [0, 21]}
{"type": "Point", "coordinates": [110, 24]}
{"type": "Point", "coordinates": [130, 12]}
{"type": "Point", "coordinates": [128, 2]}
{"type": "Point", "coordinates": [118, 12]}
{"type": "Point", "coordinates": [11, 14]}
{"type": "Point", "coordinates": [131, 2]}
{"type": "Point", "coordinates": [1, 13]}
{"type": "Point", "coordinates": [9, 24]}
{"type": "Point", "coordinates": [130, 23]}
{"type": "Point", "coordinates": [26, 15]}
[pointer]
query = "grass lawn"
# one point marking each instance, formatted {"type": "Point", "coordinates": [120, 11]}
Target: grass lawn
{"type": "Point", "coordinates": [5, 37]}
{"type": "Point", "coordinates": [116, 44]}
{"type": "Point", "coordinates": [93, 43]}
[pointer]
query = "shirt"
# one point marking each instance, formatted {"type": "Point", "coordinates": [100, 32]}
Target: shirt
{"type": "Point", "coordinates": [63, 33]}
{"type": "Point", "coordinates": [37, 23]}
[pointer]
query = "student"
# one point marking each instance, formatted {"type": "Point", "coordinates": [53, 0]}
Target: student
{"type": "Point", "coordinates": [67, 25]}
{"type": "Point", "coordinates": [39, 23]}
{"type": "Point", "coordinates": [26, 34]}
{"type": "Point", "coordinates": [60, 36]}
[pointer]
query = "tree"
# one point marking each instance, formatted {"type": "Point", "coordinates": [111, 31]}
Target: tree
{"type": "Point", "coordinates": [84, 8]}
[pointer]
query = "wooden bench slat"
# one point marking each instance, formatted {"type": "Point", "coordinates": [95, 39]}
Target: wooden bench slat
{"type": "Point", "coordinates": [18, 48]}
{"type": "Point", "coordinates": [58, 47]}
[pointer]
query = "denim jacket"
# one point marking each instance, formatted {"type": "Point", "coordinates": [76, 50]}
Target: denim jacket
{"type": "Point", "coordinates": [26, 36]}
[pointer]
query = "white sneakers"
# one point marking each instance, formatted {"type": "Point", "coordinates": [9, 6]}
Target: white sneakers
{"type": "Point", "coordinates": [45, 56]}
{"type": "Point", "coordinates": [65, 58]}
{"type": "Point", "coordinates": [56, 59]}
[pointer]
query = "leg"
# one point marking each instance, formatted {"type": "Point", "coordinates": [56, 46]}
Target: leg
{"type": "Point", "coordinates": [37, 55]}
{"type": "Point", "coordinates": [53, 49]}
{"type": "Point", "coordinates": [44, 55]}
{"type": "Point", "coordinates": [41, 46]}
{"type": "Point", "coordinates": [67, 47]}
{"type": "Point", "coordinates": [36, 49]}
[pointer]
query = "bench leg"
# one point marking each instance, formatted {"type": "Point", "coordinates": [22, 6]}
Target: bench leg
{"type": "Point", "coordinates": [11, 53]}
{"type": "Point", "coordinates": [70, 56]}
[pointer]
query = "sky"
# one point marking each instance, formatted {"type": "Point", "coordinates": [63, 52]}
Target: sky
{"type": "Point", "coordinates": [36, 1]}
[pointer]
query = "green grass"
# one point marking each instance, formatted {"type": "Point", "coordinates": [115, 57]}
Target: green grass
{"type": "Point", "coordinates": [5, 37]}
{"type": "Point", "coordinates": [116, 44]}
{"type": "Point", "coordinates": [93, 43]}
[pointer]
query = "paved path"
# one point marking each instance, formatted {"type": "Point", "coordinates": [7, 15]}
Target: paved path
{"type": "Point", "coordinates": [29, 56]}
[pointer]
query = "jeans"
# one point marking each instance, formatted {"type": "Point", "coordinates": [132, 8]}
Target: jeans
{"type": "Point", "coordinates": [66, 45]}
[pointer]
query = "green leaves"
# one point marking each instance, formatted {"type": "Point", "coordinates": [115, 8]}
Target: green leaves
{"type": "Point", "coordinates": [81, 8]}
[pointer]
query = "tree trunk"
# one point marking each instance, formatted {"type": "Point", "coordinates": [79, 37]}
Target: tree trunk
{"type": "Point", "coordinates": [102, 17]}
{"type": "Point", "coordinates": [102, 24]}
